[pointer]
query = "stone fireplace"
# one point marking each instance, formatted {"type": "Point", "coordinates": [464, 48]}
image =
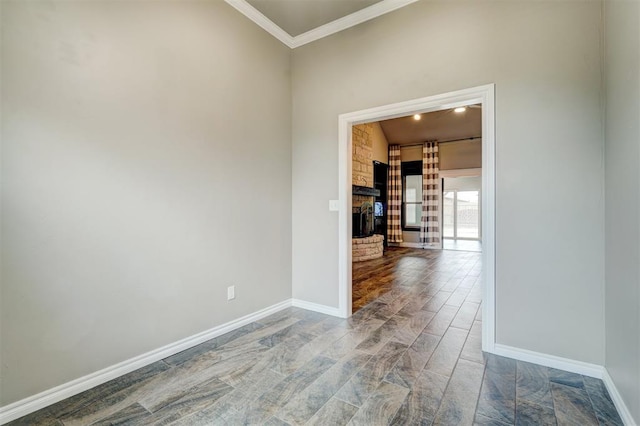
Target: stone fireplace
{"type": "Point", "coordinates": [367, 248]}
{"type": "Point", "coordinates": [365, 245]}
{"type": "Point", "coordinates": [362, 219]}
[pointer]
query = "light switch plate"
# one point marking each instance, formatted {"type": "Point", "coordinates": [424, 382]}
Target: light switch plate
{"type": "Point", "coordinates": [333, 206]}
{"type": "Point", "coordinates": [231, 292]}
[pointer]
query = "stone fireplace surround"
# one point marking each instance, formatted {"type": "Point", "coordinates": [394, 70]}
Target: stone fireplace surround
{"type": "Point", "coordinates": [367, 248]}
{"type": "Point", "coordinates": [372, 246]}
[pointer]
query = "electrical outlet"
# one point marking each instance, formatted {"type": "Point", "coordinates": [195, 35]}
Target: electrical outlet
{"type": "Point", "coordinates": [334, 206]}
{"type": "Point", "coordinates": [231, 292]}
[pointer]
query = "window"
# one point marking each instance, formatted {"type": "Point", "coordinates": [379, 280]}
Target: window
{"type": "Point", "coordinates": [448, 214]}
{"type": "Point", "coordinates": [461, 214]}
{"type": "Point", "coordinates": [467, 215]}
{"type": "Point", "coordinates": [411, 195]}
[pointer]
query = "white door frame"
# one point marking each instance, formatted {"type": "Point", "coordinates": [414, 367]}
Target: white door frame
{"type": "Point", "coordinates": [484, 95]}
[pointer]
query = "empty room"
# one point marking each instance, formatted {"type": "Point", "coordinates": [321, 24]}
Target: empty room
{"type": "Point", "coordinates": [181, 205]}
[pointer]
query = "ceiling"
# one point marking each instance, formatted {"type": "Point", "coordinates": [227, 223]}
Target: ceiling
{"type": "Point", "coordinates": [299, 16]}
{"type": "Point", "coordinates": [298, 22]}
{"type": "Point", "coordinates": [438, 125]}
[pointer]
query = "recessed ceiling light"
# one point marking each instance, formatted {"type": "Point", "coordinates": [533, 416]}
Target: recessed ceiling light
{"type": "Point", "coordinates": [417, 117]}
{"type": "Point", "coordinates": [460, 109]}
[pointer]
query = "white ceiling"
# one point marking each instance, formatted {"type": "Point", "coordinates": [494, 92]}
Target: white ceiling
{"type": "Point", "coordinates": [438, 125]}
{"type": "Point", "coordinates": [298, 22]}
{"type": "Point", "coordinates": [299, 16]}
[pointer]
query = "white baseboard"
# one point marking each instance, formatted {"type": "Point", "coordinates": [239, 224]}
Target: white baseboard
{"type": "Point", "coordinates": [416, 245]}
{"type": "Point", "coordinates": [36, 402]}
{"type": "Point", "coordinates": [43, 399]}
{"type": "Point", "coordinates": [310, 306]}
{"type": "Point", "coordinates": [622, 408]}
{"type": "Point", "coordinates": [584, 368]}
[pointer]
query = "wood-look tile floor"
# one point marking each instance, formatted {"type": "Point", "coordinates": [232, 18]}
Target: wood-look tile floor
{"type": "Point", "coordinates": [398, 266]}
{"type": "Point", "coordinates": [410, 357]}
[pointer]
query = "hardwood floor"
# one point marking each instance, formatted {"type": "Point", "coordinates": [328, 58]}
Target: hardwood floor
{"type": "Point", "coordinates": [401, 267]}
{"type": "Point", "coordinates": [412, 357]}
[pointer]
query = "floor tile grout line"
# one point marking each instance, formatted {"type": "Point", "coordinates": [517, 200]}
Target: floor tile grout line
{"type": "Point", "coordinates": [435, 415]}
{"type": "Point", "coordinates": [593, 407]}
{"type": "Point", "coordinates": [427, 361]}
{"type": "Point", "coordinates": [484, 373]}
{"type": "Point", "coordinates": [456, 365]}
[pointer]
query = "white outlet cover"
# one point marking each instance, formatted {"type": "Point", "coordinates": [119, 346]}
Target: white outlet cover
{"type": "Point", "coordinates": [231, 293]}
{"type": "Point", "coordinates": [333, 206]}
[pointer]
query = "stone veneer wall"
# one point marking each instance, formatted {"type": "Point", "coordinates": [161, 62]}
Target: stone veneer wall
{"type": "Point", "coordinates": [362, 160]}
{"type": "Point", "coordinates": [363, 154]}
{"type": "Point", "coordinates": [370, 247]}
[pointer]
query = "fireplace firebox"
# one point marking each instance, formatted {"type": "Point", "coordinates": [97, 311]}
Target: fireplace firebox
{"type": "Point", "coordinates": [363, 220]}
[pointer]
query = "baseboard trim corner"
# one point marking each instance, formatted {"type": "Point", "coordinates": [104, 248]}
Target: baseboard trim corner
{"type": "Point", "coordinates": [323, 309]}
{"type": "Point", "coordinates": [566, 364]}
{"type": "Point", "coordinates": [51, 396]}
{"type": "Point", "coordinates": [622, 408]}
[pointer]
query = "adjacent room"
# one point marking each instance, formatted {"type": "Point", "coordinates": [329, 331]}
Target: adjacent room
{"type": "Point", "coordinates": [412, 199]}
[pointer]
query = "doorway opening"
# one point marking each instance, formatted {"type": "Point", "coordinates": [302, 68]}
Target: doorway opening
{"type": "Point", "coordinates": [482, 96]}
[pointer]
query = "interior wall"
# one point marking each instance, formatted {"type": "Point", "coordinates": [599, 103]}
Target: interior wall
{"type": "Point", "coordinates": [471, 183]}
{"type": "Point", "coordinates": [139, 151]}
{"type": "Point", "coordinates": [461, 155]}
{"type": "Point", "coordinates": [544, 58]}
{"type": "Point", "coordinates": [465, 154]}
{"type": "Point", "coordinates": [411, 153]}
{"type": "Point", "coordinates": [622, 152]}
{"type": "Point", "coordinates": [380, 144]}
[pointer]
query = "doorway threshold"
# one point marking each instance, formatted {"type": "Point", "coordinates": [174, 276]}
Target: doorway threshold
{"type": "Point", "coordinates": [462, 245]}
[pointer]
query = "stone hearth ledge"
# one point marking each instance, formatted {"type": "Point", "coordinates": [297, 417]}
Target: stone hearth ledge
{"type": "Point", "coordinates": [367, 248]}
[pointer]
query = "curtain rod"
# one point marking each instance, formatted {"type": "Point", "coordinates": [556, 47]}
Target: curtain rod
{"type": "Point", "coordinates": [450, 140]}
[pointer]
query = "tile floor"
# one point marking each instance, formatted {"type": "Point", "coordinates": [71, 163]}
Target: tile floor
{"type": "Point", "coordinates": [411, 357]}
{"type": "Point", "coordinates": [373, 278]}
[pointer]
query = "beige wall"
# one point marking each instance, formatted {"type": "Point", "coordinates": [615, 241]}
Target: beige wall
{"type": "Point", "coordinates": [146, 166]}
{"type": "Point", "coordinates": [461, 155]}
{"type": "Point", "coordinates": [470, 183]}
{"type": "Point", "coordinates": [453, 155]}
{"type": "Point", "coordinates": [544, 58]}
{"type": "Point", "coordinates": [411, 153]}
{"type": "Point", "coordinates": [380, 144]}
{"type": "Point", "coordinates": [622, 152]}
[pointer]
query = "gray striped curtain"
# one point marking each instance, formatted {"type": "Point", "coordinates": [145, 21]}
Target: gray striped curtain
{"type": "Point", "coordinates": [394, 228]}
{"type": "Point", "coordinates": [429, 222]}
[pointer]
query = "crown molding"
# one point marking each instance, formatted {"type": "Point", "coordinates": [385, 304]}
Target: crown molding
{"type": "Point", "coordinates": [363, 15]}
{"type": "Point", "coordinates": [262, 21]}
